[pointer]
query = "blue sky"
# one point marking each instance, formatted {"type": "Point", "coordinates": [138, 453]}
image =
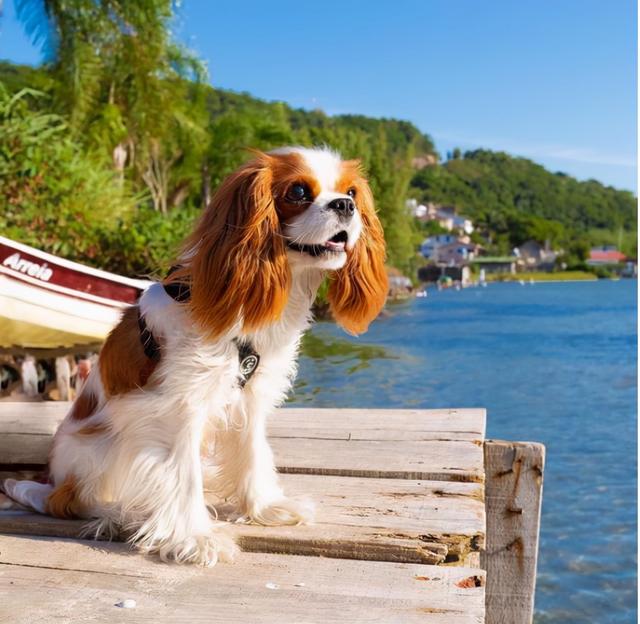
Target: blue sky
{"type": "Point", "coordinates": [552, 80]}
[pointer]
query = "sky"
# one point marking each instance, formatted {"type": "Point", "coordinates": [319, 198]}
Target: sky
{"type": "Point", "coordinates": [551, 80]}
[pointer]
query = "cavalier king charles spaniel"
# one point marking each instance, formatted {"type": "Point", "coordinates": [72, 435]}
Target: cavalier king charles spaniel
{"type": "Point", "coordinates": [179, 398]}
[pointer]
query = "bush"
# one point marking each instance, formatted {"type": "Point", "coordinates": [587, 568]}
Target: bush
{"type": "Point", "coordinates": [55, 196]}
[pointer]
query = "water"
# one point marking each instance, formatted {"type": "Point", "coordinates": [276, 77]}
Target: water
{"type": "Point", "coordinates": [552, 363]}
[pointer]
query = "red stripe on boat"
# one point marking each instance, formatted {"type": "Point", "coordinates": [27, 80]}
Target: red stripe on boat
{"type": "Point", "coordinates": [20, 262]}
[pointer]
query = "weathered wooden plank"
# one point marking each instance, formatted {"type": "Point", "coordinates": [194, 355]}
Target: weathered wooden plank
{"type": "Point", "coordinates": [380, 519]}
{"type": "Point", "coordinates": [414, 444]}
{"type": "Point", "coordinates": [380, 424]}
{"type": "Point", "coordinates": [435, 461]}
{"type": "Point", "coordinates": [514, 476]}
{"type": "Point", "coordinates": [46, 579]}
{"type": "Point", "coordinates": [376, 519]}
{"type": "Point", "coordinates": [335, 424]}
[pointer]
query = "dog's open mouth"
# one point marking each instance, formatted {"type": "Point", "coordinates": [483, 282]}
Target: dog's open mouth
{"type": "Point", "coordinates": [335, 244]}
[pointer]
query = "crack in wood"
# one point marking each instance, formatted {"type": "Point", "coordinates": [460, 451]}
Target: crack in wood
{"type": "Point", "coordinates": [46, 567]}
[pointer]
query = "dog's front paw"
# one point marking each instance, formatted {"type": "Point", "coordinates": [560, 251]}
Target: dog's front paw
{"type": "Point", "coordinates": [204, 550]}
{"type": "Point", "coordinates": [282, 511]}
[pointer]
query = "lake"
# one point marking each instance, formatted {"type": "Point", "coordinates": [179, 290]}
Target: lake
{"type": "Point", "coordinates": [552, 363]}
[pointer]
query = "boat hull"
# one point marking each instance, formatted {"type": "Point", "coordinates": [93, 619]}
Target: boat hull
{"type": "Point", "coordinates": [48, 302]}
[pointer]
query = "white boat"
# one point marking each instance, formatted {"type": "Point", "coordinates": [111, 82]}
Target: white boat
{"type": "Point", "coordinates": [49, 303]}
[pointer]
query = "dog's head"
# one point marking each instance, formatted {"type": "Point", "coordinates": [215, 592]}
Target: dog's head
{"type": "Point", "coordinates": [284, 212]}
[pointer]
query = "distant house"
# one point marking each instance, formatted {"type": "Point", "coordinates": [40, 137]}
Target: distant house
{"type": "Point", "coordinates": [496, 264]}
{"type": "Point", "coordinates": [445, 216]}
{"type": "Point", "coordinates": [424, 160]}
{"type": "Point", "coordinates": [605, 255]}
{"type": "Point", "coordinates": [449, 220]}
{"type": "Point", "coordinates": [430, 245]}
{"type": "Point", "coordinates": [449, 249]}
{"type": "Point", "coordinates": [536, 257]}
{"type": "Point", "coordinates": [463, 224]}
{"type": "Point", "coordinates": [415, 209]}
{"type": "Point", "coordinates": [456, 253]}
{"type": "Point", "coordinates": [445, 219]}
{"type": "Point", "coordinates": [424, 212]}
{"type": "Point", "coordinates": [420, 211]}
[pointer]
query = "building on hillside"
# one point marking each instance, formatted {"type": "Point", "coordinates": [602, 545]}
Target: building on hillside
{"type": "Point", "coordinates": [456, 253]}
{"type": "Point", "coordinates": [423, 212]}
{"type": "Point", "coordinates": [608, 254]}
{"type": "Point", "coordinates": [415, 209]}
{"type": "Point", "coordinates": [445, 219]}
{"type": "Point", "coordinates": [424, 160]}
{"type": "Point", "coordinates": [430, 245]}
{"type": "Point", "coordinates": [496, 264]}
{"type": "Point", "coordinates": [448, 249]}
{"type": "Point", "coordinates": [536, 257]}
{"type": "Point", "coordinates": [463, 224]}
{"type": "Point", "coordinates": [445, 216]}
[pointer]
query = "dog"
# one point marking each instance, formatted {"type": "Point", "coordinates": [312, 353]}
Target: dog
{"type": "Point", "coordinates": [184, 383]}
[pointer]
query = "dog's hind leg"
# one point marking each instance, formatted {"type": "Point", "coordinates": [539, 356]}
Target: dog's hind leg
{"type": "Point", "coordinates": [28, 493]}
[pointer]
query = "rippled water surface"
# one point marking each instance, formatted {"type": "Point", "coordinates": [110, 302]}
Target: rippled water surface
{"type": "Point", "coordinates": [553, 363]}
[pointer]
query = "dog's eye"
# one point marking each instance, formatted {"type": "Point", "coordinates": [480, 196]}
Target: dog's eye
{"type": "Point", "coordinates": [351, 192]}
{"type": "Point", "coordinates": [298, 193]}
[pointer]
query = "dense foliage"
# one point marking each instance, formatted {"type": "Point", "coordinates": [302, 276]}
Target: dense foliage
{"type": "Point", "coordinates": [110, 150]}
{"type": "Point", "coordinates": [141, 241]}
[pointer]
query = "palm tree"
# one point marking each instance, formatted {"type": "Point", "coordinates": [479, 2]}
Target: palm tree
{"type": "Point", "coordinates": [126, 87]}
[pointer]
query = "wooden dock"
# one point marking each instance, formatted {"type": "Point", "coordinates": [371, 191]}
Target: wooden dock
{"type": "Point", "coordinates": [400, 528]}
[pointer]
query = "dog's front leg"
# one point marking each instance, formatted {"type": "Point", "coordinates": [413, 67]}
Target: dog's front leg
{"type": "Point", "coordinates": [162, 495]}
{"type": "Point", "coordinates": [246, 472]}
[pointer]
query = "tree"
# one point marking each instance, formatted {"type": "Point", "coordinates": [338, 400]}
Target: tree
{"type": "Point", "coordinates": [130, 93]}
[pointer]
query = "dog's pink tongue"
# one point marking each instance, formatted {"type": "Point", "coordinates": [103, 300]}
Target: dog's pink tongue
{"type": "Point", "coordinates": [334, 246]}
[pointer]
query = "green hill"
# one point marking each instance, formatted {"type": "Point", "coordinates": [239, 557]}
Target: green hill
{"type": "Point", "coordinates": [514, 199]}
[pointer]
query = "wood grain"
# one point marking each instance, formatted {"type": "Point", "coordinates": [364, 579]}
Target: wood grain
{"type": "Point", "coordinates": [44, 580]}
{"type": "Point", "coordinates": [513, 500]}
{"type": "Point", "coordinates": [374, 519]}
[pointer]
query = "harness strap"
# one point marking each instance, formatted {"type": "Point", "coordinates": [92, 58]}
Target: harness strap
{"type": "Point", "coordinates": [181, 292]}
{"type": "Point", "coordinates": [149, 344]}
{"type": "Point", "coordinates": [178, 291]}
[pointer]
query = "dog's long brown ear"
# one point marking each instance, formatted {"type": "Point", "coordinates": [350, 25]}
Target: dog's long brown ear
{"type": "Point", "coordinates": [236, 261]}
{"type": "Point", "coordinates": [358, 291]}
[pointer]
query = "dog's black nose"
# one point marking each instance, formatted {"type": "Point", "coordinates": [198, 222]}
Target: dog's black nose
{"type": "Point", "coordinates": [344, 206]}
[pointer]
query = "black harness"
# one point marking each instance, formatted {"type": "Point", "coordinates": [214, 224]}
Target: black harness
{"type": "Point", "coordinates": [181, 292]}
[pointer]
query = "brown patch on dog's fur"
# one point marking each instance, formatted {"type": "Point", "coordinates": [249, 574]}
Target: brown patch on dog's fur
{"type": "Point", "coordinates": [351, 177]}
{"type": "Point", "coordinates": [123, 363]}
{"type": "Point", "coordinates": [290, 169]}
{"type": "Point", "coordinates": [64, 502]}
{"type": "Point", "coordinates": [358, 291]}
{"type": "Point", "coordinates": [84, 405]}
{"type": "Point", "coordinates": [240, 269]}
{"type": "Point", "coordinates": [92, 429]}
